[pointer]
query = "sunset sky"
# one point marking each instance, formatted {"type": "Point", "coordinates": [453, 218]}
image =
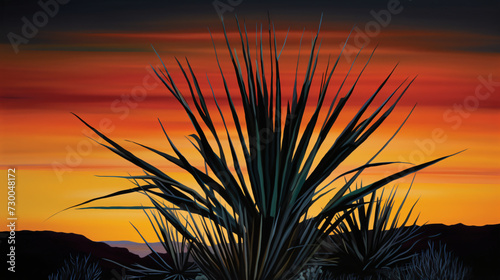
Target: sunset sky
{"type": "Point", "coordinates": [93, 58]}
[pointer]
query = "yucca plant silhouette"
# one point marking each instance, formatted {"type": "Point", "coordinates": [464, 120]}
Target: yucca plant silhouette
{"type": "Point", "coordinates": [178, 248]}
{"type": "Point", "coordinates": [251, 218]}
{"type": "Point", "coordinates": [372, 239]}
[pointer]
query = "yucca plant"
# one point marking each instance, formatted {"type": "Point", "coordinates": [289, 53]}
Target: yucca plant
{"type": "Point", "coordinates": [373, 237]}
{"type": "Point", "coordinates": [77, 268]}
{"type": "Point", "coordinates": [250, 219]}
{"type": "Point", "coordinates": [180, 267]}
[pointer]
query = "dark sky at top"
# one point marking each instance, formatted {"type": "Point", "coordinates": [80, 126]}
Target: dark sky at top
{"type": "Point", "coordinates": [148, 15]}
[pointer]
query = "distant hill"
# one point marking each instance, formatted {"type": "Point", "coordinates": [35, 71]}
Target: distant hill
{"type": "Point", "coordinates": [139, 249]}
{"type": "Point", "coordinates": [40, 253]}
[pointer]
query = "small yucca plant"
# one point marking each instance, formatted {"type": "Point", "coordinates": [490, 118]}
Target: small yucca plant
{"type": "Point", "coordinates": [176, 247]}
{"type": "Point", "coordinates": [78, 268]}
{"type": "Point", "coordinates": [373, 237]}
{"type": "Point", "coordinates": [251, 221]}
{"type": "Point", "coordinates": [433, 264]}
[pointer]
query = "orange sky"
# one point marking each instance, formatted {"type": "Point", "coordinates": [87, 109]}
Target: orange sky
{"type": "Point", "coordinates": [56, 163]}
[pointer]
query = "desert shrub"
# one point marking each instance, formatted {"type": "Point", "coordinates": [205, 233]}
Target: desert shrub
{"type": "Point", "coordinates": [77, 268]}
{"type": "Point", "coordinates": [432, 264]}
